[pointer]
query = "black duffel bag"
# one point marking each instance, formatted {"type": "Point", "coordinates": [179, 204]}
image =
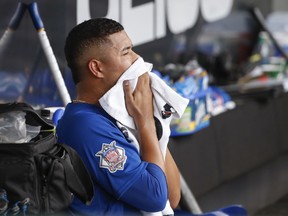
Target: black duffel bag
{"type": "Point", "coordinates": [39, 176]}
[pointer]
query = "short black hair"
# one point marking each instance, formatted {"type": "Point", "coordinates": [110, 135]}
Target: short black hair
{"type": "Point", "coordinates": [88, 33]}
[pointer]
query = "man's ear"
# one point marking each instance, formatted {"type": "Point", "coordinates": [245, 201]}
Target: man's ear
{"type": "Point", "coordinates": [94, 66]}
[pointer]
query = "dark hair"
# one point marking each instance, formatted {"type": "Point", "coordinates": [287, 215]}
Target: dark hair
{"type": "Point", "coordinates": [84, 35]}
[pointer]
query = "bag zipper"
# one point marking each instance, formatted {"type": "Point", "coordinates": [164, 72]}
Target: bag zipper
{"type": "Point", "coordinates": [38, 188]}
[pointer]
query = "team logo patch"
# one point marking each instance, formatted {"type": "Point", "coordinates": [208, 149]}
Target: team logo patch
{"type": "Point", "coordinates": [112, 157]}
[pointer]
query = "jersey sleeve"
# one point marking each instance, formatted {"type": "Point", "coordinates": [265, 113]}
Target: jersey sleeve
{"type": "Point", "coordinates": [149, 192]}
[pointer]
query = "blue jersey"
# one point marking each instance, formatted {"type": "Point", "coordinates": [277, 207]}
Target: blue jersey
{"type": "Point", "coordinates": [123, 183]}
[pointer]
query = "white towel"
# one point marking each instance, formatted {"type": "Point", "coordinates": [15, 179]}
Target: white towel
{"type": "Point", "coordinates": [166, 102]}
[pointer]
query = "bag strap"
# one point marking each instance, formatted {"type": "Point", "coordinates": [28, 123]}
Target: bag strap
{"type": "Point", "coordinates": [78, 178]}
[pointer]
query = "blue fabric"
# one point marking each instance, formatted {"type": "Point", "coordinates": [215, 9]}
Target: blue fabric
{"type": "Point", "coordinates": [231, 210]}
{"type": "Point", "coordinates": [119, 175]}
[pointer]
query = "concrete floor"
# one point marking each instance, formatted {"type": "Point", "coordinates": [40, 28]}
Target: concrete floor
{"type": "Point", "coordinates": [280, 208]}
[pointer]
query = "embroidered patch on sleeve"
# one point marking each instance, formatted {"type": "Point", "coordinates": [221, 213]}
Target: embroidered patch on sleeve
{"type": "Point", "coordinates": [112, 157]}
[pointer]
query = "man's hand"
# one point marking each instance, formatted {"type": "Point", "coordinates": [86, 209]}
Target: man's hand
{"type": "Point", "coordinates": [139, 105]}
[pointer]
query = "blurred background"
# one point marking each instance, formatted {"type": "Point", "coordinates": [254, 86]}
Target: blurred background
{"type": "Point", "coordinates": [228, 57]}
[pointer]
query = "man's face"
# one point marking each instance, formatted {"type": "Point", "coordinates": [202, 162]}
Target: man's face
{"type": "Point", "coordinates": [118, 57]}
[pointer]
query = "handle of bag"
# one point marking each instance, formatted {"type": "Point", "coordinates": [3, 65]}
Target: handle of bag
{"type": "Point", "coordinates": [78, 178]}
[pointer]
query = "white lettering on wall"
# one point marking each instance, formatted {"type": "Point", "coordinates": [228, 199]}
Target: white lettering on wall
{"type": "Point", "coordinates": [82, 10]}
{"type": "Point", "coordinates": [147, 22]}
{"type": "Point", "coordinates": [214, 10]}
{"type": "Point", "coordinates": [160, 24]}
{"type": "Point", "coordinates": [182, 14]}
{"type": "Point", "coordinates": [113, 10]}
{"type": "Point", "coordinates": [138, 21]}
